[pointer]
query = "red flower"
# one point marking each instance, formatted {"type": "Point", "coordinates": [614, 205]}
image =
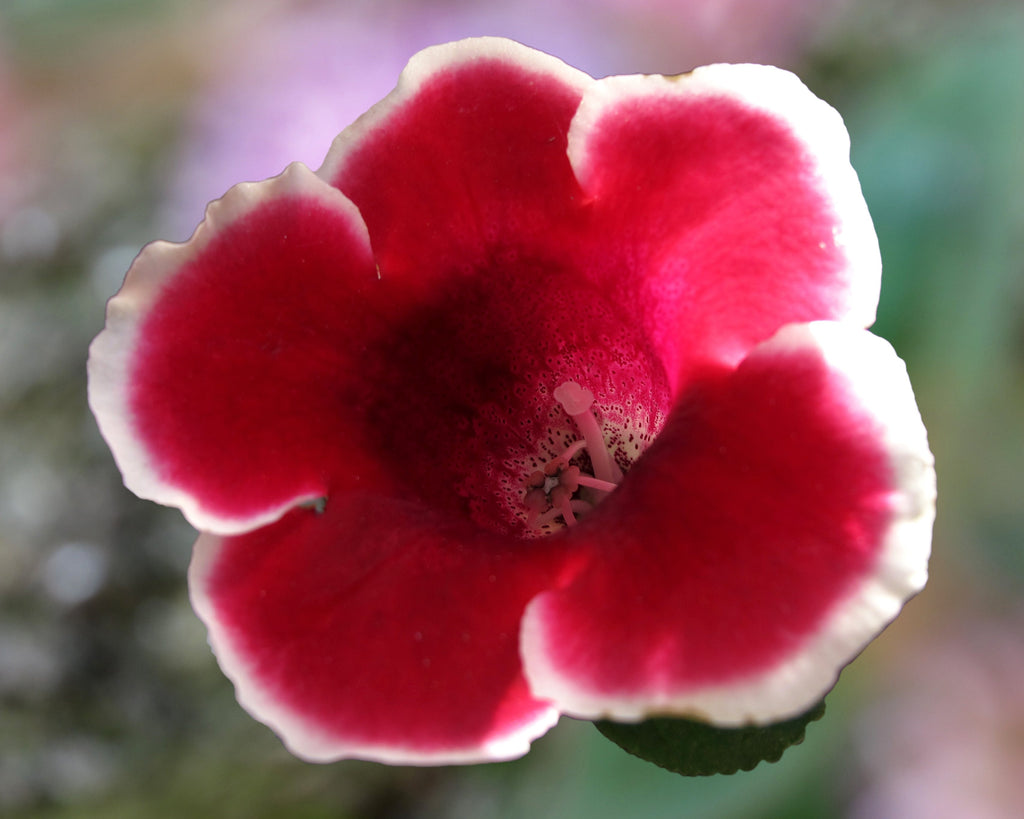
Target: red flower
{"type": "Point", "coordinates": [543, 395]}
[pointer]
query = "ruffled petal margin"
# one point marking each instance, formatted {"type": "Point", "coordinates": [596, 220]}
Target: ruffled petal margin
{"type": "Point", "coordinates": [377, 630]}
{"type": "Point", "coordinates": [464, 161]}
{"type": "Point", "coordinates": [727, 198]}
{"type": "Point", "coordinates": [218, 379]}
{"type": "Point", "coordinates": [777, 524]}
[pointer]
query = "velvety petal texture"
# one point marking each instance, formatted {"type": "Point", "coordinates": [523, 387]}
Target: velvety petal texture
{"type": "Point", "coordinates": [544, 395]}
{"type": "Point", "coordinates": [458, 196]}
{"type": "Point", "coordinates": [750, 217]}
{"type": "Point", "coordinates": [376, 631]}
{"type": "Point", "coordinates": [214, 380]}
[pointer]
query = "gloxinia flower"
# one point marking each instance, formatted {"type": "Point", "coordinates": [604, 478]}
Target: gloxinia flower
{"type": "Point", "coordinates": [544, 395]}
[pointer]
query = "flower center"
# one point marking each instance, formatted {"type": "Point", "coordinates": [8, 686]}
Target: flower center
{"type": "Point", "coordinates": [561, 489]}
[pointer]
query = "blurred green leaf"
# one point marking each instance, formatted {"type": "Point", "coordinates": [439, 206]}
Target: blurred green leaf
{"type": "Point", "coordinates": [692, 748]}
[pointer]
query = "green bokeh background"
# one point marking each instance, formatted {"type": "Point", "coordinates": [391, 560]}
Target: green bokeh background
{"type": "Point", "coordinates": [111, 705]}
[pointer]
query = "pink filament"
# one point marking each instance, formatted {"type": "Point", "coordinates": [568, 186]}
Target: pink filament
{"type": "Point", "coordinates": [576, 507]}
{"type": "Point", "coordinates": [596, 483]}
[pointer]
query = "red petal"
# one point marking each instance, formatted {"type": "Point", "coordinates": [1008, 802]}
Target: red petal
{"type": "Point", "coordinates": [377, 630]}
{"type": "Point", "coordinates": [775, 526]}
{"type": "Point", "coordinates": [728, 208]}
{"type": "Point", "coordinates": [217, 379]}
{"type": "Point", "coordinates": [464, 160]}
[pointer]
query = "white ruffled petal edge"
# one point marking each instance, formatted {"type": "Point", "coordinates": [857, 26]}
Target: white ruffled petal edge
{"type": "Point", "coordinates": [780, 95]}
{"type": "Point", "coordinates": [302, 736]}
{"type": "Point", "coordinates": [111, 354]}
{"type": "Point", "coordinates": [430, 62]}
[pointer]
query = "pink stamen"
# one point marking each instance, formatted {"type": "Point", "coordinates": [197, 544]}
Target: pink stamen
{"type": "Point", "coordinates": [561, 499]}
{"type": "Point", "coordinates": [576, 507]}
{"type": "Point", "coordinates": [560, 495]}
{"type": "Point", "coordinates": [550, 490]}
{"type": "Point", "coordinates": [569, 478]}
{"type": "Point", "coordinates": [566, 509]}
{"type": "Point", "coordinates": [595, 483]}
{"type": "Point", "coordinates": [570, 451]}
{"type": "Point", "coordinates": [536, 500]}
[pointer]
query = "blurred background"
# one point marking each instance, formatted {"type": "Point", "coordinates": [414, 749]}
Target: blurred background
{"type": "Point", "coordinates": [119, 119]}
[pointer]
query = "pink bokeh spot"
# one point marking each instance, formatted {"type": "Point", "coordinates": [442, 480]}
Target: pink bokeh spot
{"type": "Point", "coordinates": [544, 395]}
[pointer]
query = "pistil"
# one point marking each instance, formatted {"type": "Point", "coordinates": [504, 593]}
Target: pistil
{"type": "Point", "coordinates": [577, 401]}
{"type": "Point", "coordinates": [552, 492]}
